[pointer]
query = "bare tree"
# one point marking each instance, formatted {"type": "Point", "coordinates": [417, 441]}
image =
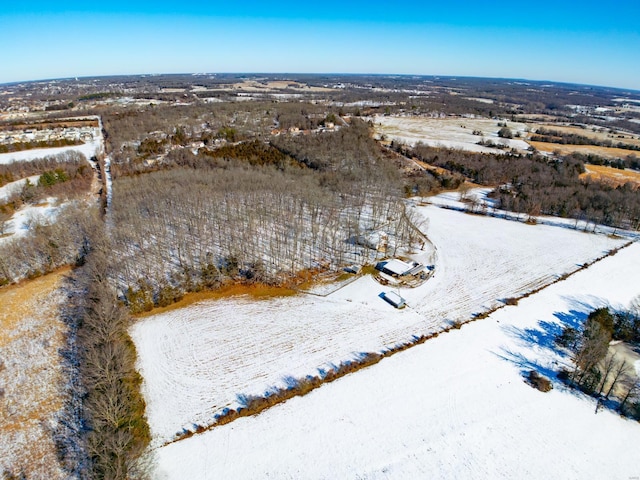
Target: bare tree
{"type": "Point", "coordinates": [592, 348]}
{"type": "Point", "coordinates": [632, 386]}
{"type": "Point", "coordinates": [619, 371]}
{"type": "Point", "coordinates": [4, 218]}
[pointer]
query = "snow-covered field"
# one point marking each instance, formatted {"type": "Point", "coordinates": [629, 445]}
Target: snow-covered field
{"type": "Point", "coordinates": [448, 132]}
{"type": "Point", "coordinates": [12, 188]}
{"type": "Point", "coordinates": [210, 354]}
{"type": "Point", "coordinates": [454, 407]}
{"type": "Point", "coordinates": [487, 205]}
{"type": "Point", "coordinates": [88, 149]}
{"type": "Point", "coordinates": [29, 215]}
{"type": "Point", "coordinates": [31, 378]}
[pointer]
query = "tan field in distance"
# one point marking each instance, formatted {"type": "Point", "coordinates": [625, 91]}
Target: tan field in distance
{"type": "Point", "coordinates": [600, 134]}
{"type": "Point", "coordinates": [606, 152]}
{"type": "Point", "coordinates": [610, 174]}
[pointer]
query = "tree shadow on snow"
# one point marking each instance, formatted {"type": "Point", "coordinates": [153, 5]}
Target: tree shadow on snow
{"type": "Point", "coordinates": [525, 364]}
{"type": "Point", "coordinates": [542, 338]}
{"type": "Point", "coordinates": [544, 335]}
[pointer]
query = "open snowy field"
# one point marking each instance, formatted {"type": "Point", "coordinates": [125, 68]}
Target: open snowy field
{"type": "Point", "coordinates": [28, 216]}
{"type": "Point", "coordinates": [88, 149]}
{"type": "Point", "coordinates": [13, 188]}
{"type": "Point", "coordinates": [448, 132]}
{"type": "Point", "coordinates": [211, 354]}
{"type": "Point", "coordinates": [454, 407]}
{"type": "Point", "coordinates": [486, 204]}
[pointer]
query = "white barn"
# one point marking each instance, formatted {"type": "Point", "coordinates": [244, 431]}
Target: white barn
{"type": "Point", "coordinates": [394, 299]}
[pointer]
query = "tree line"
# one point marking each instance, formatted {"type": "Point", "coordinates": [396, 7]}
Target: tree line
{"type": "Point", "coordinates": [103, 432]}
{"type": "Point", "coordinates": [228, 219]}
{"type": "Point", "coordinates": [534, 184]}
{"type": "Point", "coordinates": [630, 161]}
{"type": "Point", "coordinates": [564, 138]}
{"type": "Point", "coordinates": [596, 369]}
{"type": "Point", "coordinates": [19, 146]}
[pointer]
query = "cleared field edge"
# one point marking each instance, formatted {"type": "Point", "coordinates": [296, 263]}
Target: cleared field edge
{"type": "Point", "coordinates": [254, 405]}
{"type": "Point", "coordinates": [32, 336]}
{"type": "Point", "coordinates": [610, 174]}
{"type": "Point", "coordinates": [609, 152]}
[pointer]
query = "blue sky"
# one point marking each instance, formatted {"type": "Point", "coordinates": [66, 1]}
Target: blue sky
{"type": "Point", "coordinates": [585, 42]}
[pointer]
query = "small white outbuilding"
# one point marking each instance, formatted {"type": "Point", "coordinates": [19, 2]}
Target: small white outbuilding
{"type": "Point", "coordinates": [394, 299]}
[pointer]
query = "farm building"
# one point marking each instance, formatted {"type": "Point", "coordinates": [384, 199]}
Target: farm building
{"type": "Point", "coordinates": [398, 272]}
{"type": "Point", "coordinates": [394, 299]}
{"type": "Point", "coordinates": [394, 267]}
{"type": "Point", "coordinates": [374, 240]}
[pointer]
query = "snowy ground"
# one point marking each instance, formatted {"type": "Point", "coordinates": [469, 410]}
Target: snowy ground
{"type": "Point", "coordinates": [88, 149]}
{"type": "Point", "coordinates": [454, 407]}
{"type": "Point", "coordinates": [28, 215]}
{"type": "Point", "coordinates": [448, 132]}
{"type": "Point", "coordinates": [209, 354]}
{"type": "Point", "coordinates": [31, 335]}
{"type": "Point", "coordinates": [12, 188]}
{"type": "Point", "coordinates": [486, 205]}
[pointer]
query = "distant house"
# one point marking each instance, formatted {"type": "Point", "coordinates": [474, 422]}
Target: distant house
{"type": "Point", "coordinates": [374, 240]}
{"type": "Point", "coordinates": [394, 299]}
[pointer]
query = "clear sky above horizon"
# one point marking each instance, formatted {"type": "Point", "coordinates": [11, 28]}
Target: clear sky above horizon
{"type": "Point", "coordinates": [586, 42]}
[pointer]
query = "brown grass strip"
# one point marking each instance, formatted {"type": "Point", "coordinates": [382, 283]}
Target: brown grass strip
{"type": "Point", "coordinates": [257, 291]}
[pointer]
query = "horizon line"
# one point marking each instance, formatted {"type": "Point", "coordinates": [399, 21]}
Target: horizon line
{"type": "Point", "coordinates": [338, 74]}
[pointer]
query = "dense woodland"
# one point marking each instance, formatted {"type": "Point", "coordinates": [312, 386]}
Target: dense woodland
{"type": "Point", "coordinates": [227, 217]}
{"type": "Point", "coordinates": [535, 185]}
{"type": "Point", "coordinates": [145, 140]}
{"type": "Point", "coordinates": [48, 245]}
